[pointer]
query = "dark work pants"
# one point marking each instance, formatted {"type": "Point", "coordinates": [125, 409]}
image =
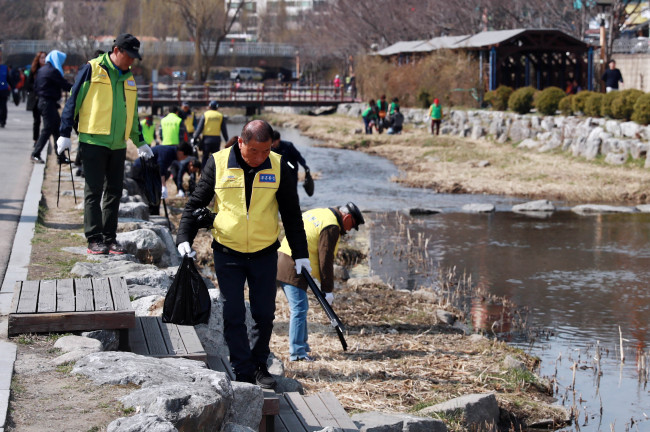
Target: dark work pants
{"type": "Point", "coordinates": [104, 171]}
{"type": "Point", "coordinates": [4, 94]}
{"type": "Point", "coordinates": [260, 272]}
{"type": "Point", "coordinates": [435, 126]}
{"type": "Point", "coordinates": [210, 145]}
{"type": "Point", "coordinates": [36, 130]}
{"type": "Point", "coordinates": [51, 122]}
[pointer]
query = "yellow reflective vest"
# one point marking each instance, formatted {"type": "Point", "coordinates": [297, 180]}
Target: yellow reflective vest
{"type": "Point", "coordinates": [315, 221]}
{"type": "Point", "coordinates": [96, 112]}
{"type": "Point", "coordinates": [212, 120]}
{"type": "Point", "coordinates": [171, 128]}
{"type": "Point", "coordinates": [189, 122]}
{"type": "Point", "coordinates": [148, 132]}
{"type": "Point", "coordinates": [235, 227]}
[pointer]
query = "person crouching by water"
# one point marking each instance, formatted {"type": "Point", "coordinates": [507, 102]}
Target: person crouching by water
{"type": "Point", "coordinates": [250, 185]}
{"type": "Point", "coordinates": [324, 228]}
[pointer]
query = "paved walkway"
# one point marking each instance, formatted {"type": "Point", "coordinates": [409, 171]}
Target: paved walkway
{"type": "Point", "coordinates": [20, 193]}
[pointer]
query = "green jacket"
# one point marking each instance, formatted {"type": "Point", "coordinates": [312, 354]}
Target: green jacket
{"type": "Point", "coordinates": [70, 116]}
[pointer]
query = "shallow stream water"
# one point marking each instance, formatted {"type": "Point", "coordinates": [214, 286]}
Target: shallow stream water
{"type": "Point", "coordinates": [581, 278]}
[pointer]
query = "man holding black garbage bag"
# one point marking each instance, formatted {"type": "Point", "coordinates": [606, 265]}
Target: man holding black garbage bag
{"type": "Point", "coordinates": [250, 185]}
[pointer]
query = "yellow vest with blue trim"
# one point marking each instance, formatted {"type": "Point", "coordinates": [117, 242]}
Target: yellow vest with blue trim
{"type": "Point", "coordinates": [212, 120]}
{"type": "Point", "coordinates": [235, 227]}
{"type": "Point", "coordinates": [189, 122]}
{"type": "Point", "coordinates": [96, 112]}
{"type": "Point", "coordinates": [315, 221]}
{"type": "Point", "coordinates": [171, 128]}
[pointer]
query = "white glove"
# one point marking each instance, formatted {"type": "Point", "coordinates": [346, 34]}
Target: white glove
{"type": "Point", "coordinates": [185, 249]}
{"type": "Point", "coordinates": [63, 144]}
{"type": "Point", "coordinates": [329, 297]}
{"type": "Point", "coordinates": [303, 263]}
{"type": "Point", "coordinates": [145, 152]}
{"type": "Point", "coordinates": [180, 194]}
{"type": "Point", "coordinates": [163, 193]}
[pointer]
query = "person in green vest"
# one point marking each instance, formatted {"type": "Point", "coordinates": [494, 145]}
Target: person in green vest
{"type": "Point", "coordinates": [369, 116]}
{"type": "Point", "coordinates": [435, 112]}
{"type": "Point", "coordinates": [172, 134]}
{"type": "Point", "coordinates": [148, 130]}
{"type": "Point", "coordinates": [103, 107]}
{"type": "Point", "coordinates": [324, 228]}
{"type": "Point", "coordinates": [394, 104]}
{"type": "Point", "coordinates": [213, 126]}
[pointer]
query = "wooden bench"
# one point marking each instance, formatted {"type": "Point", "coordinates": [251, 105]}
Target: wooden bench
{"type": "Point", "coordinates": [70, 305]}
{"type": "Point", "coordinates": [308, 413]}
{"type": "Point", "coordinates": [152, 337]}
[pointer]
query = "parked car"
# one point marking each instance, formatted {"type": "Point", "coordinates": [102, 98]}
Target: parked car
{"type": "Point", "coordinates": [245, 74]}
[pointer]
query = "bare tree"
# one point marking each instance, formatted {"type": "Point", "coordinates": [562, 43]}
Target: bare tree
{"type": "Point", "coordinates": [207, 22]}
{"type": "Point", "coordinates": [22, 19]}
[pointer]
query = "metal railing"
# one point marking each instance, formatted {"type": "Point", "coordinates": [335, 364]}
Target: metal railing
{"type": "Point", "coordinates": [238, 49]}
{"type": "Point", "coordinates": [228, 92]}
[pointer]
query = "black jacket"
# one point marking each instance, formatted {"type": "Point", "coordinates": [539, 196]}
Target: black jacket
{"type": "Point", "coordinates": [50, 83]}
{"type": "Point", "coordinates": [287, 198]}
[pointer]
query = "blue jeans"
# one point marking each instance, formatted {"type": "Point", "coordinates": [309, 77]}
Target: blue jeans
{"type": "Point", "coordinates": [298, 334]}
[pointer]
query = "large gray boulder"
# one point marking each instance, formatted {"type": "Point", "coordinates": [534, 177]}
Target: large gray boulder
{"type": "Point", "coordinates": [246, 407]}
{"type": "Point", "coordinates": [133, 273]}
{"type": "Point", "coordinates": [380, 422]}
{"type": "Point", "coordinates": [170, 256]}
{"type": "Point", "coordinates": [143, 243]}
{"type": "Point", "coordinates": [141, 423]}
{"type": "Point", "coordinates": [136, 210]}
{"type": "Point", "coordinates": [478, 208]}
{"type": "Point", "coordinates": [479, 411]}
{"type": "Point", "coordinates": [599, 209]}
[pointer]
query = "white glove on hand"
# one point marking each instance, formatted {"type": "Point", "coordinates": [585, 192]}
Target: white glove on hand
{"type": "Point", "coordinates": [303, 263]}
{"type": "Point", "coordinates": [329, 297]}
{"type": "Point", "coordinates": [145, 152]}
{"type": "Point", "coordinates": [185, 249]}
{"type": "Point", "coordinates": [163, 193]}
{"type": "Point", "coordinates": [63, 144]}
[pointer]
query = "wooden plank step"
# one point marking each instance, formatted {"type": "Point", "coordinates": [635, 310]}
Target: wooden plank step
{"type": "Point", "coordinates": [70, 305]}
{"type": "Point", "coordinates": [152, 337]}
{"type": "Point", "coordinates": [314, 412]}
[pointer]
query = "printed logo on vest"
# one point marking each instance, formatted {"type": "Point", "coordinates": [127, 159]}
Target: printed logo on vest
{"type": "Point", "coordinates": [130, 83]}
{"type": "Point", "coordinates": [228, 178]}
{"type": "Point", "coordinates": [267, 178]}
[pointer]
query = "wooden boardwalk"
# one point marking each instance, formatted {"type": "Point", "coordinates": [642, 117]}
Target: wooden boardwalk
{"type": "Point", "coordinates": [309, 413]}
{"type": "Point", "coordinates": [152, 337]}
{"type": "Point", "coordinates": [70, 305]}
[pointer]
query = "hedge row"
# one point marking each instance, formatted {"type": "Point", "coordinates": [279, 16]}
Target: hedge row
{"type": "Point", "coordinates": [625, 105]}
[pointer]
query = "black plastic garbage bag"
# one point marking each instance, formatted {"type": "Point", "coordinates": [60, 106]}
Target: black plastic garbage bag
{"type": "Point", "coordinates": [308, 184]}
{"type": "Point", "coordinates": [187, 302]}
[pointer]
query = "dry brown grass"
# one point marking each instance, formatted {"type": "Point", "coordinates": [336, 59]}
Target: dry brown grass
{"type": "Point", "coordinates": [450, 165]}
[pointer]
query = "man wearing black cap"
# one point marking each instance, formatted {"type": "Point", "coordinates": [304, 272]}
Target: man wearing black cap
{"type": "Point", "coordinates": [213, 127]}
{"type": "Point", "coordinates": [324, 228]}
{"type": "Point", "coordinates": [103, 105]}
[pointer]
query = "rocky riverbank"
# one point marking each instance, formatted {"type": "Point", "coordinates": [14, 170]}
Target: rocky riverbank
{"type": "Point", "coordinates": [412, 356]}
{"type": "Point", "coordinates": [582, 161]}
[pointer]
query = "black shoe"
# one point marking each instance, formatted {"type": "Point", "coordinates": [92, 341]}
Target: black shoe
{"type": "Point", "coordinates": [97, 248]}
{"type": "Point", "coordinates": [263, 378]}
{"type": "Point", "coordinates": [245, 378]}
{"type": "Point", "coordinates": [64, 160]}
{"type": "Point", "coordinates": [37, 159]}
{"type": "Point", "coordinates": [114, 248]}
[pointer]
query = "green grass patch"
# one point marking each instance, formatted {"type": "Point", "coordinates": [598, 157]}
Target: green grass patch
{"type": "Point", "coordinates": [16, 388]}
{"type": "Point", "coordinates": [65, 368]}
{"type": "Point", "coordinates": [26, 339]}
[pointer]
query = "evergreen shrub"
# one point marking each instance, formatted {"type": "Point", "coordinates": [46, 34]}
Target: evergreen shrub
{"type": "Point", "coordinates": [606, 107]}
{"type": "Point", "coordinates": [593, 104]}
{"type": "Point", "coordinates": [548, 99]}
{"type": "Point", "coordinates": [623, 104]}
{"type": "Point", "coordinates": [521, 100]}
{"type": "Point", "coordinates": [579, 101]}
{"type": "Point", "coordinates": [566, 105]}
{"type": "Point", "coordinates": [641, 112]}
{"type": "Point", "coordinates": [498, 98]}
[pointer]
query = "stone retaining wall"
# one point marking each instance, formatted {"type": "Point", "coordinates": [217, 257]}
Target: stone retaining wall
{"type": "Point", "coordinates": [581, 136]}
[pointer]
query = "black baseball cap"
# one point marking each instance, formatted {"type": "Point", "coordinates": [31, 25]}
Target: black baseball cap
{"type": "Point", "coordinates": [130, 44]}
{"type": "Point", "coordinates": [356, 214]}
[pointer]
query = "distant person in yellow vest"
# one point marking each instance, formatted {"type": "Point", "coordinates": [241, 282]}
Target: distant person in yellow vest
{"type": "Point", "coordinates": [213, 126]}
{"type": "Point", "coordinates": [172, 134]}
{"type": "Point", "coordinates": [148, 130]}
{"type": "Point", "coordinates": [103, 105]}
{"type": "Point", "coordinates": [324, 228]}
{"type": "Point", "coordinates": [252, 188]}
{"type": "Point", "coordinates": [188, 118]}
